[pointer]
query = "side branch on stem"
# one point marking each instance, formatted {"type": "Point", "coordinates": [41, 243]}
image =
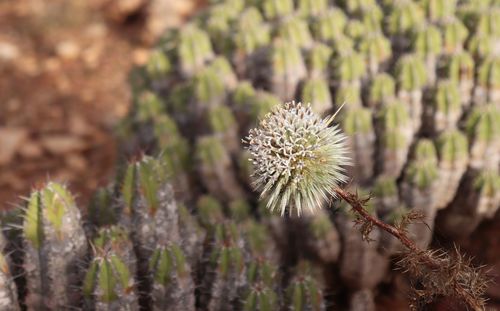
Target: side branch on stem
{"type": "Point", "coordinates": [439, 273]}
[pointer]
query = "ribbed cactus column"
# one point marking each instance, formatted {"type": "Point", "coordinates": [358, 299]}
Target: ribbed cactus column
{"type": "Point", "coordinates": [251, 34]}
{"type": "Point", "coordinates": [376, 50]}
{"type": "Point", "coordinates": [262, 292]}
{"type": "Point", "coordinates": [172, 284]}
{"type": "Point", "coordinates": [483, 127]}
{"type": "Point", "coordinates": [460, 69]}
{"type": "Point", "coordinates": [382, 90]}
{"type": "Point", "coordinates": [208, 90]}
{"type": "Point", "coordinates": [348, 69]}
{"type": "Point", "coordinates": [287, 69]}
{"type": "Point", "coordinates": [385, 195]}
{"type": "Point", "coordinates": [312, 7]}
{"type": "Point", "coordinates": [274, 9]}
{"type": "Point", "coordinates": [317, 93]}
{"type": "Point", "coordinates": [357, 124]}
{"type": "Point", "coordinates": [226, 275]}
{"type": "Point", "coordinates": [439, 10]}
{"type": "Point", "coordinates": [109, 283]}
{"type": "Point", "coordinates": [453, 159]}
{"type": "Point", "coordinates": [395, 135]}
{"type": "Point", "coordinates": [329, 25]}
{"type": "Point", "coordinates": [362, 300]}
{"type": "Point", "coordinates": [223, 125]}
{"type": "Point", "coordinates": [404, 16]}
{"type": "Point", "coordinates": [152, 214]}
{"type": "Point", "coordinates": [296, 31]}
{"type": "Point", "coordinates": [317, 60]}
{"type": "Point", "coordinates": [216, 170]}
{"type": "Point", "coordinates": [418, 190]}
{"type": "Point", "coordinates": [304, 292]}
{"type": "Point", "coordinates": [8, 290]}
{"type": "Point", "coordinates": [428, 43]}
{"type": "Point", "coordinates": [445, 110]}
{"type": "Point", "coordinates": [411, 78]}
{"type": "Point", "coordinates": [150, 204]}
{"type": "Point", "coordinates": [361, 266]}
{"type": "Point", "coordinates": [488, 82]}
{"type": "Point", "coordinates": [54, 248]}
{"type": "Point", "coordinates": [454, 35]}
{"type": "Point", "coordinates": [194, 49]}
{"type": "Point", "coordinates": [322, 238]}
{"type": "Point", "coordinates": [478, 198]}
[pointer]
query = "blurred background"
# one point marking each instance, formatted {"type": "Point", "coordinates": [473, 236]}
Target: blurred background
{"type": "Point", "coordinates": [63, 85]}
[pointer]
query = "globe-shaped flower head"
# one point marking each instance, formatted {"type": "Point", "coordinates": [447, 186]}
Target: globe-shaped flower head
{"type": "Point", "coordinates": [298, 158]}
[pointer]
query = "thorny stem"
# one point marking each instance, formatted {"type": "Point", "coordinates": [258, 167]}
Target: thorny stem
{"type": "Point", "coordinates": [424, 257]}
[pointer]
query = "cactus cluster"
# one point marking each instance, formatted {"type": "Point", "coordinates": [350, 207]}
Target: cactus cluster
{"type": "Point", "coordinates": [417, 82]}
{"type": "Point", "coordinates": [181, 228]}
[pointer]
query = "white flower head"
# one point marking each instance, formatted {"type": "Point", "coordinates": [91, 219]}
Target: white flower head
{"type": "Point", "coordinates": [298, 158]}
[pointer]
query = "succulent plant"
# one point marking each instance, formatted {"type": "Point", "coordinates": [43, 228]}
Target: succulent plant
{"type": "Point", "coordinates": [420, 180]}
{"type": "Point", "coordinates": [109, 282]}
{"type": "Point", "coordinates": [417, 86]}
{"type": "Point", "coordinates": [55, 245]}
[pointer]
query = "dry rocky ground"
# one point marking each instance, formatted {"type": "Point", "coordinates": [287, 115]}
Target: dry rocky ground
{"type": "Point", "coordinates": [63, 85]}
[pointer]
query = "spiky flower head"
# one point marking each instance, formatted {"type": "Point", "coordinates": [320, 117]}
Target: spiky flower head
{"type": "Point", "coordinates": [298, 158]}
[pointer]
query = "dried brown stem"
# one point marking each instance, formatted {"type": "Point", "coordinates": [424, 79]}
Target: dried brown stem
{"type": "Point", "coordinates": [436, 265]}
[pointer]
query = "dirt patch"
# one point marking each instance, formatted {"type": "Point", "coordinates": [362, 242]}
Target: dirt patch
{"type": "Point", "coordinates": [63, 87]}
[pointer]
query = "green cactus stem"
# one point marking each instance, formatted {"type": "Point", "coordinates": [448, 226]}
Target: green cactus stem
{"type": "Point", "coordinates": [287, 67]}
{"type": "Point", "coordinates": [194, 50]}
{"type": "Point", "coordinates": [411, 78]}
{"type": "Point", "coordinates": [8, 290]}
{"type": "Point", "coordinates": [216, 170]}
{"type": "Point", "coordinates": [173, 287]}
{"type": "Point", "coordinates": [382, 90]}
{"type": "Point", "coordinates": [329, 25]}
{"type": "Point", "coordinates": [428, 43]}
{"type": "Point", "coordinates": [317, 93]}
{"type": "Point", "coordinates": [488, 82]}
{"type": "Point", "coordinates": [483, 128]}
{"type": "Point", "coordinates": [418, 189]}
{"type": "Point", "coordinates": [109, 283]}
{"type": "Point", "coordinates": [305, 291]}
{"type": "Point", "coordinates": [445, 109]}
{"type": "Point", "coordinates": [376, 49]}
{"type": "Point", "coordinates": [54, 247]}
{"type": "Point", "coordinates": [357, 124]}
{"type": "Point", "coordinates": [452, 148]}
{"type": "Point", "coordinates": [395, 133]}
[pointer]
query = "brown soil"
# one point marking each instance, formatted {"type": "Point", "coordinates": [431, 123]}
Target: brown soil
{"type": "Point", "coordinates": [63, 88]}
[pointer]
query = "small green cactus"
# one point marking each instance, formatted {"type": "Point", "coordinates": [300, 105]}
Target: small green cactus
{"type": "Point", "coordinates": [439, 10]}
{"type": "Point", "coordinates": [172, 287]}
{"type": "Point", "coordinates": [376, 50]}
{"type": "Point", "coordinates": [276, 8]}
{"type": "Point", "coordinates": [194, 50]}
{"type": "Point", "coordinates": [288, 68]}
{"type": "Point", "coordinates": [395, 132]}
{"type": "Point", "coordinates": [55, 243]}
{"type": "Point", "coordinates": [295, 31]}
{"type": "Point", "coordinates": [329, 25]}
{"type": "Point", "coordinates": [317, 93]}
{"type": "Point", "coordinates": [446, 106]}
{"type": "Point", "coordinates": [454, 35]}
{"type": "Point", "coordinates": [452, 148]}
{"type": "Point", "coordinates": [109, 283]}
{"type": "Point", "coordinates": [381, 91]}
{"type": "Point", "coordinates": [483, 128]}
{"type": "Point", "coordinates": [304, 292]}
